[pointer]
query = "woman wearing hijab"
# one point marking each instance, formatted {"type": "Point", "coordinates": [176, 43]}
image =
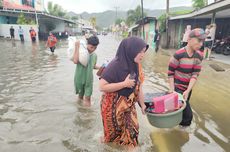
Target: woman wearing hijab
{"type": "Point", "coordinates": [121, 86]}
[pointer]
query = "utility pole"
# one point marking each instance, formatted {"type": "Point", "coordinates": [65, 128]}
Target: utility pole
{"type": "Point", "coordinates": [143, 22]}
{"type": "Point", "coordinates": [36, 17]}
{"type": "Point", "coordinates": [167, 23]}
{"type": "Point", "coordinates": [116, 11]}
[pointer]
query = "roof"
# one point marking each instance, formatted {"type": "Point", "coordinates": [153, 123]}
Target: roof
{"type": "Point", "coordinates": [222, 9]}
{"type": "Point", "coordinates": [39, 13]}
{"type": "Point", "coordinates": [133, 27]}
{"type": "Point", "coordinates": [146, 20]}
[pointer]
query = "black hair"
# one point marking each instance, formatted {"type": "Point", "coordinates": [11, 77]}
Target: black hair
{"type": "Point", "coordinates": [93, 40]}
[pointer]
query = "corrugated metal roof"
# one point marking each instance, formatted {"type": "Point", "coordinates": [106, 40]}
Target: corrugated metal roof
{"type": "Point", "coordinates": [214, 7]}
{"type": "Point", "coordinates": [36, 12]}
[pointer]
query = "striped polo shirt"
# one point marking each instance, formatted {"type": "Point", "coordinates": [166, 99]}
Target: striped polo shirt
{"type": "Point", "coordinates": [183, 68]}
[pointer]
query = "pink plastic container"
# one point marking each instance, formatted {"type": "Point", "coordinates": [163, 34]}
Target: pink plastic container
{"type": "Point", "coordinates": [166, 103]}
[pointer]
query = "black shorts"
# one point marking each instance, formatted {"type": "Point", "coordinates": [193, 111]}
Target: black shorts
{"type": "Point", "coordinates": [52, 48]}
{"type": "Point", "coordinates": [208, 44]}
{"type": "Point", "coordinates": [33, 39]}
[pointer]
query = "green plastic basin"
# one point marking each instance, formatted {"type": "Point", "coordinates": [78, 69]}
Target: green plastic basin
{"type": "Point", "coordinates": [166, 120]}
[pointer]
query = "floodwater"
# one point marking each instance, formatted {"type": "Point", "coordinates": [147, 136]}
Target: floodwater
{"type": "Point", "coordinates": [39, 111]}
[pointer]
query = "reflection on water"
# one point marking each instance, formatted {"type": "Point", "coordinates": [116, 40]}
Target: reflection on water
{"type": "Point", "coordinates": [39, 111]}
{"type": "Point", "coordinates": [169, 140]}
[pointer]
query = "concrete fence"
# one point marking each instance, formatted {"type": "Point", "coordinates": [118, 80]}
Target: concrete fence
{"type": "Point", "coordinates": [5, 31]}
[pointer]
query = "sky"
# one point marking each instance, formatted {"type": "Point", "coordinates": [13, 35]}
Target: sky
{"type": "Point", "coordinates": [92, 6]}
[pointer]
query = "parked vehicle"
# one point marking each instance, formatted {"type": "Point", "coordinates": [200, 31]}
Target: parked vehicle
{"type": "Point", "coordinates": [226, 49]}
{"type": "Point", "coordinates": [104, 33]}
{"type": "Point", "coordinates": [217, 47]}
{"type": "Point", "coordinates": [222, 46]}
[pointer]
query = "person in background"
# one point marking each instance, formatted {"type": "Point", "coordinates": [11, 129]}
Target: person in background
{"type": "Point", "coordinates": [186, 36]}
{"type": "Point", "coordinates": [21, 33]}
{"type": "Point", "coordinates": [121, 84]}
{"type": "Point", "coordinates": [11, 32]}
{"type": "Point", "coordinates": [184, 68]}
{"type": "Point", "coordinates": [210, 32]}
{"type": "Point", "coordinates": [83, 79]}
{"type": "Point", "coordinates": [51, 42]}
{"type": "Point", "coordinates": [157, 40]}
{"type": "Point", "coordinates": [33, 34]}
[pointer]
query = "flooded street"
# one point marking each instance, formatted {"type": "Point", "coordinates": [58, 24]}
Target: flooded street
{"type": "Point", "coordinates": [39, 111]}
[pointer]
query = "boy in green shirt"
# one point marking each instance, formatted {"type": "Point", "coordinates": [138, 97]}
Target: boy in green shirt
{"type": "Point", "coordinates": [83, 79]}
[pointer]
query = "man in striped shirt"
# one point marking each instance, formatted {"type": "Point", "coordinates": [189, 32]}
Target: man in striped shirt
{"type": "Point", "coordinates": [184, 68]}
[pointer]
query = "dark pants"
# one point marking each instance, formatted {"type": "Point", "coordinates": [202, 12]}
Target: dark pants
{"type": "Point", "coordinates": [33, 39]}
{"type": "Point", "coordinates": [157, 45]}
{"type": "Point", "coordinates": [22, 38]}
{"type": "Point", "coordinates": [12, 36]}
{"type": "Point", "coordinates": [52, 49]}
{"type": "Point", "coordinates": [187, 113]}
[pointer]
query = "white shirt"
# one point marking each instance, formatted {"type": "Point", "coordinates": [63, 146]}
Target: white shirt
{"type": "Point", "coordinates": [20, 31]}
{"type": "Point", "coordinates": [208, 35]}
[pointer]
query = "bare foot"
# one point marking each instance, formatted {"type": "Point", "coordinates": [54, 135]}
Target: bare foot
{"type": "Point", "coordinates": [86, 103]}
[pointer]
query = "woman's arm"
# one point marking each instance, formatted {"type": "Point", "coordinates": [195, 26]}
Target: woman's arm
{"type": "Point", "coordinates": [113, 87]}
{"type": "Point", "coordinates": [141, 100]}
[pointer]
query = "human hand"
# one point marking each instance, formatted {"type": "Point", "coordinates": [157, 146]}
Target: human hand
{"type": "Point", "coordinates": [171, 91]}
{"type": "Point", "coordinates": [129, 83]}
{"type": "Point", "coordinates": [185, 95]}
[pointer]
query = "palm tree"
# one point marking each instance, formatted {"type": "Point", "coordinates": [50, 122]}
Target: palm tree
{"type": "Point", "coordinates": [134, 15]}
{"type": "Point", "coordinates": [93, 21]}
{"type": "Point", "coordinates": [56, 10]}
{"type": "Point", "coordinates": [197, 4]}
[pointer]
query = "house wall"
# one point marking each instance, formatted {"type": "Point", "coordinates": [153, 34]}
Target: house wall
{"type": "Point", "coordinates": [5, 31]}
{"type": "Point", "coordinates": [149, 33]}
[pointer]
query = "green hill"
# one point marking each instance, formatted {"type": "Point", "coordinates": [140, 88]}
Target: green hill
{"type": "Point", "coordinates": [104, 19]}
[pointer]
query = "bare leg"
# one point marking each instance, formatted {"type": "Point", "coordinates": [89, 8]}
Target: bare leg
{"type": "Point", "coordinates": [87, 101]}
{"type": "Point", "coordinates": [209, 54]}
{"type": "Point", "coordinates": [205, 51]}
{"type": "Point", "coordinates": [80, 97]}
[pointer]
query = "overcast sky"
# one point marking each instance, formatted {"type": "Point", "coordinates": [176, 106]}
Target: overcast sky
{"type": "Point", "coordinates": [91, 6]}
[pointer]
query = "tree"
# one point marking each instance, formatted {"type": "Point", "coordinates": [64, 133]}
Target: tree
{"type": "Point", "coordinates": [93, 21]}
{"type": "Point", "coordinates": [134, 15]}
{"type": "Point", "coordinates": [22, 20]}
{"type": "Point", "coordinates": [162, 23]}
{"type": "Point", "coordinates": [56, 10]}
{"type": "Point", "coordinates": [1, 1]}
{"type": "Point", "coordinates": [118, 21]}
{"type": "Point", "coordinates": [197, 4]}
{"type": "Point", "coordinates": [74, 18]}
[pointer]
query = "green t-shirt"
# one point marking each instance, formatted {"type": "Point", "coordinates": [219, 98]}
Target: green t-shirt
{"type": "Point", "coordinates": [83, 79]}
